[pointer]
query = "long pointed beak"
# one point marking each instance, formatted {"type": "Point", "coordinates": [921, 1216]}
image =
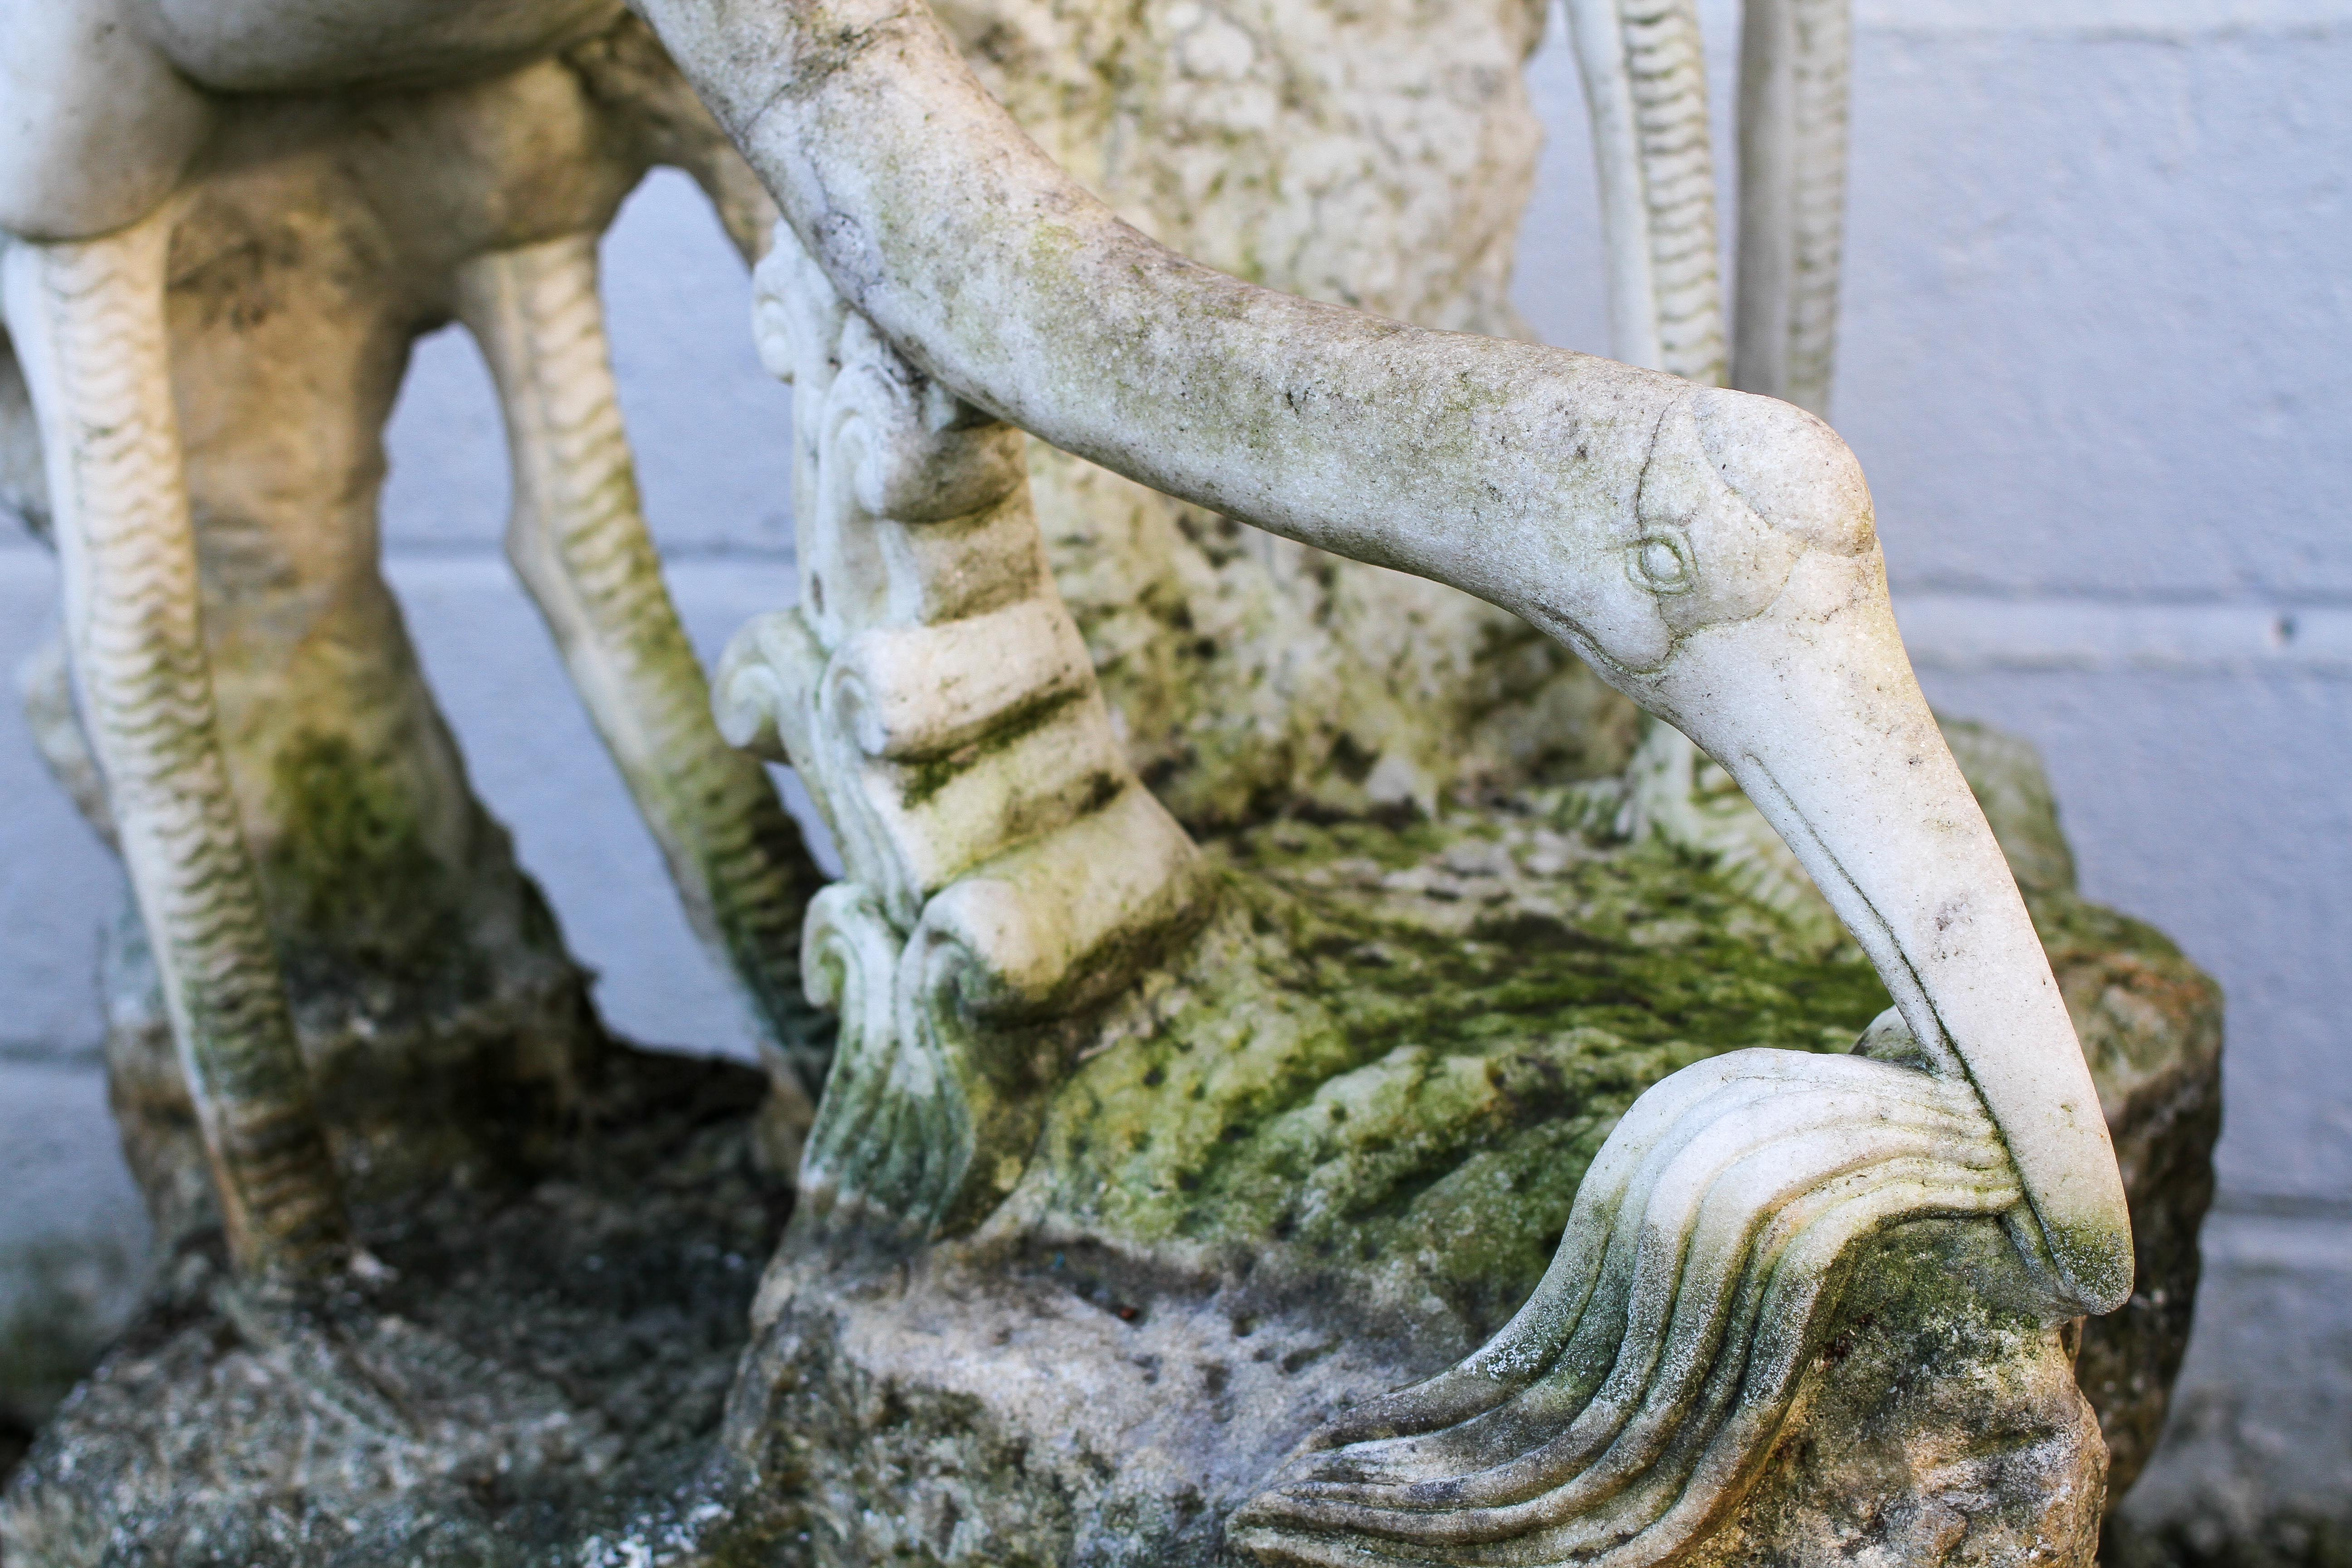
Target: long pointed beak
{"type": "Point", "coordinates": [1812, 706]}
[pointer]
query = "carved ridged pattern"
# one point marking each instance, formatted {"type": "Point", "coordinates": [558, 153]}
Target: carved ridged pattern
{"type": "Point", "coordinates": [1628, 1405]}
{"type": "Point", "coordinates": [130, 548]}
{"type": "Point", "coordinates": [1824, 52]}
{"type": "Point", "coordinates": [894, 1140]}
{"type": "Point", "coordinates": [1002, 865]}
{"type": "Point", "coordinates": [1667, 65]}
{"type": "Point", "coordinates": [735, 854]}
{"type": "Point", "coordinates": [1793, 110]}
{"type": "Point", "coordinates": [890, 1139]}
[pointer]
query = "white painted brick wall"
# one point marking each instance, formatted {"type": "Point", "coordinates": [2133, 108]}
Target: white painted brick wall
{"type": "Point", "coordinates": [2098, 363]}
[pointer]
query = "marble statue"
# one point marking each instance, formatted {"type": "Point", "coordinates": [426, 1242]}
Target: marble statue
{"type": "Point", "coordinates": [1064, 1012]}
{"type": "Point", "coordinates": [1001, 858]}
{"type": "Point", "coordinates": [135, 139]}
{"type": "Point", "coordinates": [1711, 554]}
{"type": "Point", "coordinates": [1713, 557]}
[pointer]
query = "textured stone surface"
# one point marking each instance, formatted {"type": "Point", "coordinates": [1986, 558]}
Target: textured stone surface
{"type": "Point", "coordinates": [2149, 1022]}
{"type": "Point", "coordinates": [548, 1355]}
{"type": "Point", "coordinates": [1376, 792]}
{"type": "Point", "coordinates": [1753, 615]}
{"type": "Point", "coordinates": [998, 275]}
{"type": "Point", "coordinates": [335, 877]}
{"type": "Point", "coordinates": [1077, 1408]}
{"type": "Point", "coordinates": [1958, 1438]}
{"type": "Point", "coordinates": [1336, 1153]}
{"type": "Point", "coordinates": [2209, 801]}
{"type": "Point", "coordinates": [1329, 1156]}
{"type": "Point", "coordinates": [1372, 155]}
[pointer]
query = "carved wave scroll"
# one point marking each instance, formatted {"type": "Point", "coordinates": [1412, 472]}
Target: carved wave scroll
{"type": "Point", "coordinates": [1003, 866]}
{"type": "Point", "coordinates": [1630, 1403]}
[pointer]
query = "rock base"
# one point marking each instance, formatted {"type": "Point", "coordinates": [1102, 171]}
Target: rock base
{"type": "Point", "coordinates": [1324, 1153]}
{"type": "Point", "coordinates": [1057, 1408]}
{"type": "Point", "coordinates": [539, 1367]}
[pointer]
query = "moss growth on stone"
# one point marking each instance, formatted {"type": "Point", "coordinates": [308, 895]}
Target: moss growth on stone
{"type": "Point", "coordinates": [1328, 1149]}
{"type": "Point", "coordinates": [1393, 1054]}
{"type": "Point", "coordinates": [361, 903]}
{"type": "Point", "coordinates": [927, 776]}
{"type": "Point", "coordinates": [1936, 1350]}
{"type": "Point", "coordinates": [1398, 1049]}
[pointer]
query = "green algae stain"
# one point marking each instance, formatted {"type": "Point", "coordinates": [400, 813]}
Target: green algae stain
{"type": "Point", "coordinates": [1373, 1065]}
{"type": "Point", "coordinates": [360, 900]}
{"type": "Point", "coordinates": [926, 777]}
{"type": "Point", "coordinates": [1384, 1069]}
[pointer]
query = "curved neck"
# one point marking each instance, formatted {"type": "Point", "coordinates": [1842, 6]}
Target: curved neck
{"type": "Point", "coordinates": [1499, 468]}
{"type": "Point", "coordinates": [1437, 453]}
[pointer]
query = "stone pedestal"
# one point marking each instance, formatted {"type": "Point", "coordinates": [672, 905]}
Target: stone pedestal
{"type": "Point", "coordinates": [1331, 1153]}
{"type": "Point", "coordinates": [1325, 1154]}
{"type": "Point", "coordinates": [539, 1363]}
{"type": "Point", "coordinates": [1061, 1406]}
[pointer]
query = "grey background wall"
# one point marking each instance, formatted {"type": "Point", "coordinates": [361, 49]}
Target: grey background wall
{"type": "Point", "coordinates": [2098, 363]}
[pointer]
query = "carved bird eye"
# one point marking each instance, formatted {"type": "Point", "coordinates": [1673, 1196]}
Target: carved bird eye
{"type": "Point", "coordinates": [1661, 564]}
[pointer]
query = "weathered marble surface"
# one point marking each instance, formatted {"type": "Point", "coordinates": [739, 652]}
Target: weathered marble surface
{"type": "Point", "coordinates": [1323, 1161]}
{"type": "Point", "coordinates": [1626, 628]}
{"type": "Point", "coordinates": [1546, 715]}
{"type": "Point", "coordinates": [2149, 1022]}
{"type": "Point", "coordinates": [1000, 861]}
{"type": "Point", "coordinates": [343, 934]}
{"type": "Point", "coordinates": [1335, 1153]}
{"type": "Point", "coordinates": [1300, 146]}
{"type": "Point", "coordinates": [546, 1354]}
{"type": "Point", "coordinates": [1586, 501]}
{"type": "Point", "coordinates": [1059, 1417]}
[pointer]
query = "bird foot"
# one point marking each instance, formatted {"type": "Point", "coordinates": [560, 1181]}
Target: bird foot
{"type": "Point", "coordinates": [310, 1333]}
